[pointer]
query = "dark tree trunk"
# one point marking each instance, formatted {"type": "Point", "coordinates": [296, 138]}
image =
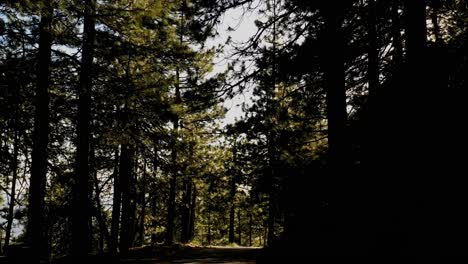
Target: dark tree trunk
{"type": "Point", "coordinates": [416, 31]}
{"type": "Point", "coordinates": [396, 33]}
{"type": "Point", "coordinates": [373, 53]}
{"type": "Point", "coordinates": [435, 4]}
{"type": "Point", "coordinates": [171, 204]}
{"type": "Point", "coordinates": [239, 227]}
{"type": "Point", "coordinates": [126, 229]}
{"type": "Point", "coordinates": [334, 74]}
{"type": "Point", "coordinates": [209, 229]}
{"type": "Point", "coordinates": [40, 139]}
{"type": "Point", "coordinates": [271, 219]}
{"type": "Point", "coordinates": [117, 199]}
{"type": "Point", "coordinates": [104, 235]}
{"type": "Point", "coordinates": [232, 209]}
{"type": "Point", "coordinates": [192, 213]}
{"type": "Point", "coordinates": [81, 206]}
{"type": "Point", "coordinates": [250, 227]}
{"type": "Point", "coordinates": [143, 205]}
{"type": "Point", "coordinates": [153, 197]}
{"type": "Point", "coordinates": [186, 210]}
{"type": "Point", "coordinates": [14, 167]}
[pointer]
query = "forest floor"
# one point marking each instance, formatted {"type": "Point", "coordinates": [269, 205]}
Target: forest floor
{"type": "Point", "coordinates": [202, 255]}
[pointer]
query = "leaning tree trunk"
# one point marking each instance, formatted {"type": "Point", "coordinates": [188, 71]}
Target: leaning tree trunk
{"type": "Point", "coordinates": [40, 139]}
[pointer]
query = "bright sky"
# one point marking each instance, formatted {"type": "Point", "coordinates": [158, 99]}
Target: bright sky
{"type": "Point", "coordinates": [244, 28]}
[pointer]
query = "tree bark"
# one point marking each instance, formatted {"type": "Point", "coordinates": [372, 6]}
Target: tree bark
{"type": "Point", "coordinates": [186, 208]}
{"type": "Point", "coordinates": [143, 205]}
{"type": "Point", "coordinates": [334, 74]}
{"type": "Point", "coordinates": [81, 206]}
{"type": "Point", "coordinates": [416, 31]}
{"type": "Point", "coordinates": [396, 33]}
{"type": "Point", "coordinates": [373, 53]}
{"type": "Point", "coordinates": [435, 4]}
{"type": "Point", "coordinates": [37, 186]}
{"type": "Point", "coordinates": [14, 167]}
{"type": "Point", "coordinates": [125, 170]}
{"type": "Point", "coordinates": [250, 227]}
{"type": "Point", "coordinates": [239, 227]}
{"type": "Point", "coordinates": [232, 210]}
{"type": "Point", "coordinates": [116, 204]}
{"type": "Point", "coordinates": [192, 213]}
{"type": "Point", "coordinates": [104, 235]}
{"type": "Point", "coordinates": [173, 181]}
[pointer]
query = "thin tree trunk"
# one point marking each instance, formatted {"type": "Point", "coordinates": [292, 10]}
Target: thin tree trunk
{"type": "Point", "coordinates": [81, 206]}
{"type": "Point", "coordinates": [272, 139]}
{"type": "Point", "coordinates": [232, 210]}
{"type": "Point", "coordinates": [270, 236]}
{"type": "Point", "coordinates": [117, 199]}
{"type": "Point", "coordinates": [185, 222]}
{"type": "Point", "coordinates": [154, 208]}
{"type": "Point", "coordinates": [125, 181]}
{"type": "Point", "coordinates": [192, 213]}
{"type": "Point", "coordinates": [14, 167]}
{"type": "Point", "coordinates": [239, 226]}
{"type": "Point", "coordinates": [104, 235]}
{"type": "Point", "coordinates": [396, 33]}
{"type": "Point", "coordinates": [173, 180]}
{"type": "Point", "coordinates": [373, 53]}
{"type": "Point", "coordinates": [250, 228]}
{"type": "Point", "coordinates": [40, 139]}
{"type": "Point", "coordinates": [435, 4]}
{"type": "Point", "coordinates": [143, 205]}
{"type": "Point", "coordinates": [209, 229]}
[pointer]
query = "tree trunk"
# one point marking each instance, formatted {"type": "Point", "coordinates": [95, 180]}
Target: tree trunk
{"type": "Point", "coordinates": [250, 228]}
{"type": "Point", "coordinates": [334, 74]}
{"type": "Point", "coordinates": [103, 231]}
{"type": "Point", "coordinates": [125, 170]}
{"type": "Point", "coordinates": [82, 204]}
{"type": "Point", "coordinates": [116, 204]}
{"type": "Point", "coordinates": [192, 213]}
{"type": "Point", "coordinates": [232, 210]}
{"type": "Point", "coordinates": [40, 139]}
{"type": "Point", "coordinates": [416, 31]}
{"type": "Point", "coordinates": [435, 4]}
{"type": "Point", "coordinates": [14, 167]}
{"type": "Point", "coordinates": [396, 33]}
{"type": "Point", "coordinates": [209, 229]}
{"type": "Point", "coordinates": [239, 227]}
{"type": "Point", "coordinates": [173, 182]}
{"type": "Point", "coordinates": [187, 198]}
{"type": "Point", "coordinates": [154, 202]}
{"type": "Point", "coordinates": [143, 205]}
{"type": "Point", "coordinates": [373, 53]}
